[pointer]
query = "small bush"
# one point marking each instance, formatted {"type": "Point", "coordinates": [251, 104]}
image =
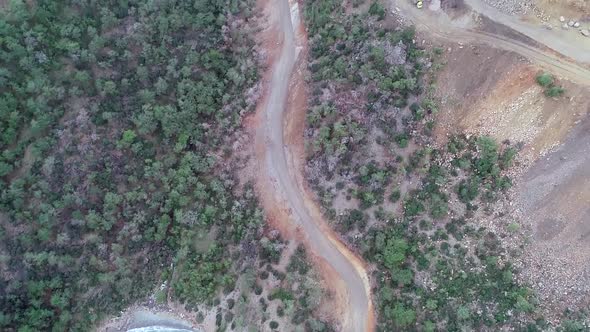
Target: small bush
{"type": "Point", "coordinates": [394, 196]}
{"type": "Point", "coordinates": [257, 289]}
{"type": "Point", "coordinates": [402, 140]}
{"type": "Point", "coordinates": [413, 207]}
{"type": "Point", "coordinates": [513, 227]}
{"type": "Point", "coordinates": [545, 79]}
{"type": "Point", "coordinates": [377, 9]}
{"type": "Point", "coordinates": [273, 325]}
{"type": "Point", "coordinates": [281, 294]}
{"type": "Point", "coordinates": [554, 91]}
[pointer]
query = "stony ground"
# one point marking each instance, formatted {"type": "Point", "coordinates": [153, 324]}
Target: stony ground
{"type": "Point", "coordinates": [512, 7]}
{"type": "Point", "coordinates": [554, 200]}
{"type": "Point", "coordinates": [550, 199]}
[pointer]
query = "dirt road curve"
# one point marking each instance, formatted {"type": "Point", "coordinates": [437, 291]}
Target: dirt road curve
{"type": "Point", "coordinates": [439, 25]}
{"type": "Point", "coordinates": [358, 311]}
{"type": "Point", "coordinates": [282, 172]}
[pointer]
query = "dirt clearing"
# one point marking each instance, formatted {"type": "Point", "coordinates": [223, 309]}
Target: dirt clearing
{"type": "Point", "coordinates": [503, 100]}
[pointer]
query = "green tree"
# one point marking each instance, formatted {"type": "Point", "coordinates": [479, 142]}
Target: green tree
{"type": "Point", "coordinates": [402, 316]}
{"type": "Point", "coordinates": [463, 313]}
{"type": "Point", "coordinates": [127, 138]}
{"type": "Point", "coordinates": [394, 253]}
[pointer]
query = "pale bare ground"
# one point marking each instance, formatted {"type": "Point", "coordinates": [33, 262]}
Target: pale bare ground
{"type": "Point", "coordinates": [505, 102]}
{"type": "Point", "coordinates": [279, 157]}
{"type": "Point", "coordinates": [554, 201]}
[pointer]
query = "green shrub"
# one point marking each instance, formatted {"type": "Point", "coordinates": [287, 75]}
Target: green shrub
{"type": "Point", "coordinates": [402, 140]}
{"type": "Point", "coordinates": [281, 294]}
{"type": "Point", "coordinates": [354, 219]}
{"type": "Point", "coordinates": [438, 206]}
{"type": "Point", "coordinates": [298, 261]}
{"type": "Point", "coordinates": [507, 157]}
{"type": "Point", "coordinates": [402, 316]}
{"type": "Point", "coordinates": [127, 138]}
{"type": "Point", "coordinates": [394, 196]}
{"type": "Point", "coordinates": [377, 9]}
{"type": "Point", "coordinates": [413, 207]}
{"type": "Point", "coordinates": [513, 227]}
{"type": "Point", "coordinates": [417, 111]}
{"type": "Point", "coordinates": [486, 164]}
{"type": "Point", "coordinates": [429, 326]}
{"type": "Point", "coordinates": [463, 313]}
{"type": "Point", "coordinates": [554, 91]}
{"type": "Point", "coordinates": [5, 168]}
{"type": "Point", "coordinates": [545, 79]}
{"type": "Point", "coordinates": [403, 277]}
{"type": "Point", "coordinates": [394, 253]}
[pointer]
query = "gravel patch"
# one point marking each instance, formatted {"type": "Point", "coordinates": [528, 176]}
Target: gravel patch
{"type": "Point", "coordinates": [512, 7]}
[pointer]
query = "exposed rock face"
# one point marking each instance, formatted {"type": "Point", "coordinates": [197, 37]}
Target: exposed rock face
{"type": "Point", "coordinates": [397, 55]}
{"type": "Point", "coordinates": [394, 54]}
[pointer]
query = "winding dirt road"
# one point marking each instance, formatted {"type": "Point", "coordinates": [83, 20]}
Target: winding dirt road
{"type": "Point", "coordinates": [277, 160]}
{"type": "Point", "coordinates": [439, 25]}
{"type": "Point", "coordinates": [357, 315]}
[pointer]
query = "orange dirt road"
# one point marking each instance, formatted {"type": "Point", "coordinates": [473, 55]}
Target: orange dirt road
{"type": "Point", "coordinates": [280, 180]}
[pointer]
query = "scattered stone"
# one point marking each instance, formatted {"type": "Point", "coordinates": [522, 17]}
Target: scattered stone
{"type": "Point", "coordinates": [514, 7]}
{"type": "Point", "coordinates": [561, 19]}
{"type": "Point", "coordinates": [565, 26]}
{"type": "Point", "coordinates": [577, 25]}
{"type": "Point", "coordinates": [570, 23]}
{"type": "Point", "coordinates": [585, 32]}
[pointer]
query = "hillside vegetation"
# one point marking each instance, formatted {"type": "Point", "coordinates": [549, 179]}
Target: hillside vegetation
{"type": "Point", "coordinates": [117, 119]}
{"type": "Point", "coordinates": [409, 207]}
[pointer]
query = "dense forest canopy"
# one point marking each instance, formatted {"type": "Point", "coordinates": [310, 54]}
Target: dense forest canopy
{"type": "Point", "coordinates": [114, 118]}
